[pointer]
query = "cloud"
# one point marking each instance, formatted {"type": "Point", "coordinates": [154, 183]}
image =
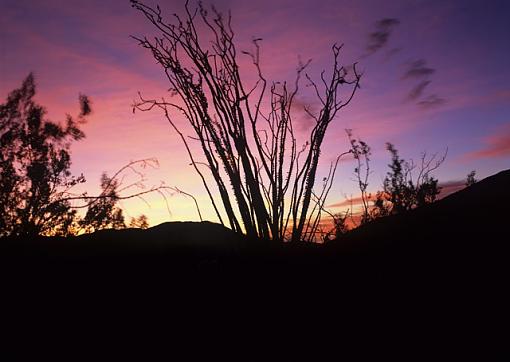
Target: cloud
{"type": "Point", "coordinates": [379, 38]}
{"type": "Point", "coordinates": [417, 91]}
{"type": "Point", "coordinates": [418, 69]}
{"type": "Point", "coordinates": [450, 187]}
{"type": "Point", "coordinates": [431, 101]}
{"type": "Point", "coordinates": [496, 145]}
{"type": "Point", "coordinates": [415, 70]}
{"type": "Point", "coordinates": [354, 201]}
{"type": "Point", "coordinates": [387, 23]}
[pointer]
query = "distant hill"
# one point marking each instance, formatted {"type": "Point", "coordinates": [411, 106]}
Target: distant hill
{"type": "Point", "coordinates": [433, 273]}
{"type": "Point", "coordinates": [469, 222]}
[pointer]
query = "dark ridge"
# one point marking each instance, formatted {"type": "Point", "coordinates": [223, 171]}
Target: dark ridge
{"type": "Point", "coordinates": [469, 223]}
{"type": "Point", "coordinates": [473, 217]}
{"type": "Point", "coordinates": [440, 270]}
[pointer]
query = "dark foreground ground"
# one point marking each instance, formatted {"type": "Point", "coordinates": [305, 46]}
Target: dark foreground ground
{"type": "Point", "coordinates": [432, 280]}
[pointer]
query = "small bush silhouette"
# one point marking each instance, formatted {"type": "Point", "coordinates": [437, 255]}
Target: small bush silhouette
{"type": "Point", "coordinates": [407, 185]}
{"type": "Point", "coordinates": [471, 180]}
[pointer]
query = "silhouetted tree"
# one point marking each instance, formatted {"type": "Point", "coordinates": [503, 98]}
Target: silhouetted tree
{"type": "Point", "coordinates": [102, 213]}
{"type": "Point", "coordinates": [402, 189]}
{"type": "Point", "coordinates": [471, 180]}
{"type": "Point", "coordinates": [36, 185]}
{"type": "Point", "coordinates": [264, 179]}
{"type": "Point", "coordinates": [34, 165]}
{"type": "Point", "coordinates": [141, 222]}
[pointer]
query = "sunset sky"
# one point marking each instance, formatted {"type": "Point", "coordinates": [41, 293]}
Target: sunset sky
{"type": "Point", "coordinates": [436, 75]}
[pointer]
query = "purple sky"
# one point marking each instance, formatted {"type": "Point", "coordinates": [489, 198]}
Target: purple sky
{"type": "Point", "coordinates": [435, 76]}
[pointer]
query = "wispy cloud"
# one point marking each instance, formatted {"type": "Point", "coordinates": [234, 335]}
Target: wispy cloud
{"type": "Point", "coordinates": [379, 38]}
{"type": "Point", "coordinates": [496, 145]}
{"type": "Point", "coordinates": [418, 69]}
{"type": "Point", "coordinates": [431, 101]}
{"type": "Point", "coordinates": [450, 187]}
{"type": "Point", "coordinates": [352, 201]}
{"type": "Point", "coordinates": [417, 91]}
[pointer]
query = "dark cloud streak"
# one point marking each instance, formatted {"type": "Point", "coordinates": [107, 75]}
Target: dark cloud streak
{"type": "Point", "coordinates": [417, 91]}
{"type": "Point", "coordinates": [379, 38]}
{"type": "Point", "coordinates": [418, 69]}
{"type": "Point", "coordinates": [415, 70]}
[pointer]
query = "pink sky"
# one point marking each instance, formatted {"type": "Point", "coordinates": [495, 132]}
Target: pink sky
{"type": "Point", "coordinates": [453, 55]}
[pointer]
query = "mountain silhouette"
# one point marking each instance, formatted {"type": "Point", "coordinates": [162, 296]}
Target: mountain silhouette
{"type": "Point", "coordinates": [441, 267]}
{"type": "Point", "coordinates": [446, 234]}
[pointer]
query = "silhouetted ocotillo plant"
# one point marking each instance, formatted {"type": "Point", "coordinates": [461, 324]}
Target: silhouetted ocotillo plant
{"type": "Point", "coordinates": [264, 179]}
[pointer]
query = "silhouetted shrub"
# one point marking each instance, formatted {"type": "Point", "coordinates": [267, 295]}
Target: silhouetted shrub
{"type": "Point", "coordinates": [471, 180]}
{"type": "Point", "coordinates": [402, 190]}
